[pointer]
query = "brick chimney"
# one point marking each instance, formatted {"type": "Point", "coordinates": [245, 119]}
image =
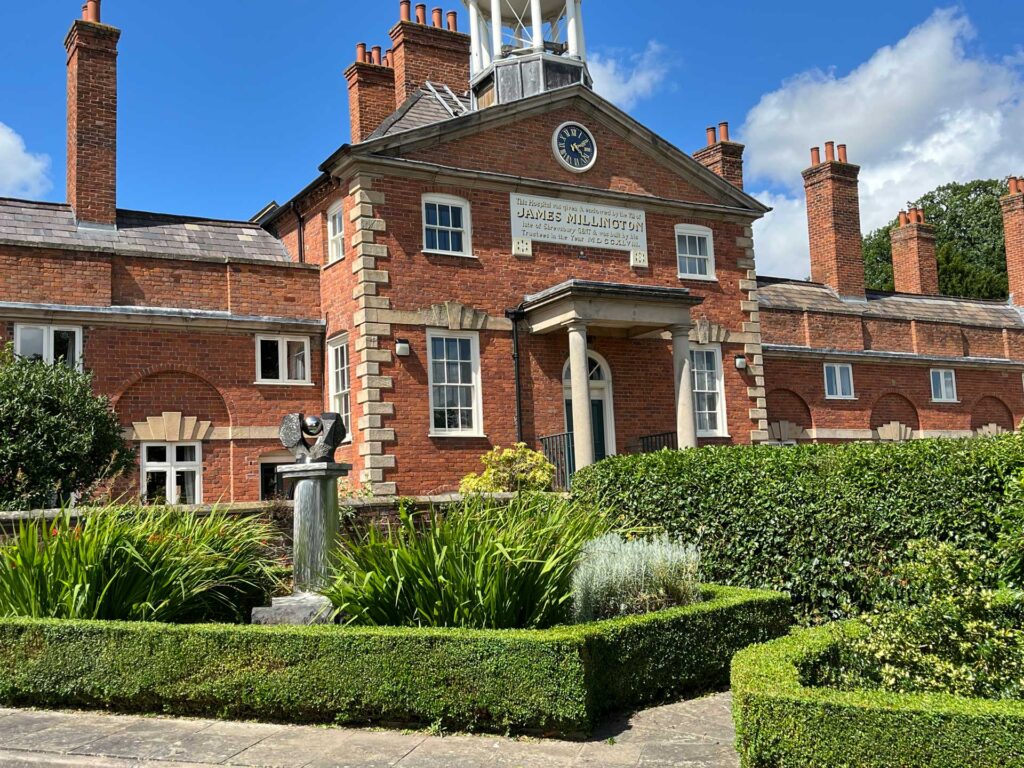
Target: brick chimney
{"type": "Point", "coordinates": [92, 118]}
{"type": "Point", "coordinates": [1013, 224]}
{"type": "Point", "coordinates": [371, 91]}
{"type": "Point", "coordinates": [833, 221]}
{"type": "Point", "coordinates": [428, 51]}
{"type": "Point", "coordinates": [722, 156]}
{"type": "Point", "coordinates": [914, 266]}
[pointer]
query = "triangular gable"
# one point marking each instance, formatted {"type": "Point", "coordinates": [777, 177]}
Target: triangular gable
{"type": "Point", "coordinates": [631, 158]}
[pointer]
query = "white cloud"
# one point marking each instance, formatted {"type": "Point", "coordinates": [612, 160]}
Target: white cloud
{"type": "Point", "coordinates": [917, 114]}
{"type": "Point", "coordinates": [22, 174]}
{"type": "Point", "coordinates": [627, 81]}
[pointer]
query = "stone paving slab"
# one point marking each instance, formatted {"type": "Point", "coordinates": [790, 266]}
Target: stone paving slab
{"type": "Point", "coordinates": [689, 734]}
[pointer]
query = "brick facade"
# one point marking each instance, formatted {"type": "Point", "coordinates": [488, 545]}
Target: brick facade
{"type": "Point", "coordinates": [169, 324]}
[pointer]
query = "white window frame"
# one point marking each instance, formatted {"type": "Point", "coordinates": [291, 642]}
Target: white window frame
{"type": "Point", "coordinates": [478, 399]}
{"type": "Point", "coordinates": [171, 467]}
{"type": "Point", "coordinates": [276, 459]}
{"type": "Point", "coordinates": [282, 361]}
{"type": "Point", "coordinates": [697, 231]}
{"type": "Point", "coordinates": [944, 396]}
{"type": "Point", "coordinates": [839, 382]}
{"type": "Point", "coordinates": [467, 224]}
{"type": "Point", "coordinates": [48, 333]}
{"type": "Point", "coordinates": [336, 240]}
{"type": "Point", "coordinates": [723, 422]}
{"type": "Point", "coordinates": [334, 346]}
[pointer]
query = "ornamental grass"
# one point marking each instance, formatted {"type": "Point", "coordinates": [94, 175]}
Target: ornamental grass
{"type": "Point", "coordinates": [137, 564]}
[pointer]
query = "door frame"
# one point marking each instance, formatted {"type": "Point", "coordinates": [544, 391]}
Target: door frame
{"type": "Point", "coordinates": [600, 390]}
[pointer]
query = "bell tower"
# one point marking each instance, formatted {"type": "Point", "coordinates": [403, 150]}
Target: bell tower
{"type": "Point", "coordinates": [524, 47]}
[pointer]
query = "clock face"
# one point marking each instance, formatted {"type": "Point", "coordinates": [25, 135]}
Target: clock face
{"type": "Point", "coordinates": [575, 147]}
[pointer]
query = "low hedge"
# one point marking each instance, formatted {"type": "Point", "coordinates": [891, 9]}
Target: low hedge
{"type": "Point", "coordinates": [557, 680]}
{"type": "Point", "coordinates": [826, 523]}
{"type": "Point", "coordinates": [782, 720]}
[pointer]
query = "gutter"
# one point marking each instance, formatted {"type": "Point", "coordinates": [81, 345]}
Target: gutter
{"type": "Point", "coordinates": [515, 315]}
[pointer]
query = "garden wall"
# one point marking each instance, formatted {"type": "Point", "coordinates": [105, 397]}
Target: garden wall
{"type": "Point", "coordinates": [551, 681]}
{"type": "Point", "coordinates": [826, 523]}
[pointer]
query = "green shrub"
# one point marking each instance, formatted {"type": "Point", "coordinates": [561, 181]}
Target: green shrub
{"type": "Point", "coordinates": [1011, 544]}
{"type": "Point", "coordinates": [619, 577]}
{"type": "Point", "coordinates": [136, 564]}
{"type": "Point", "coordinates": [555, 681]}
{"type": "Point", "coordinates": [59, 438]}
{"type": "Point", "coordinates": [482, 563]}
{"type": "Point", "coordinates": [511, 470]}
{"type": "Point", "coordinates": [785, 718]}
{"type": "Point", "coordinates": [827, 523]}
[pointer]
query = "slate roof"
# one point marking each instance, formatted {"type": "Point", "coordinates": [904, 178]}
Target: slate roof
{"type": "Point", "coordinates": [776, 293]}
{"type": "Point", "coordinates": [431, 104]}
{"type": "Point", "coordinates": [138, 234]}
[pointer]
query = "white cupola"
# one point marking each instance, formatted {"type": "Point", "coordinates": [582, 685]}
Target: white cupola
{"type": "Point", "coordinates": [524, 47]}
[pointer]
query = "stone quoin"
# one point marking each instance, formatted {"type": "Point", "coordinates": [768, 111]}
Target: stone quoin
{"type": "Point", "coordinates": [499, 255]}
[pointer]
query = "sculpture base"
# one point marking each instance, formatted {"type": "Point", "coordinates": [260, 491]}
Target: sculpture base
{"type": "Point", "coordinates": [299, 609]}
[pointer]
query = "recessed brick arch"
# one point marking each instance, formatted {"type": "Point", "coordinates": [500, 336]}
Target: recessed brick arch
{"type": "Point", "coordinates": [894, 407]}
{"type": "Point", "coordinates": [992, 410]}
{"type": "Point", "coordinates": [180, 391]}
{"type": "Point", "coordinates": [786, 405]}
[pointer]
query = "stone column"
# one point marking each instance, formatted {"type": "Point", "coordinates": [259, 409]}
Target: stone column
{"type": "Point", "coordinates": [686, 424]}
{"type": "Point", "coordinates": [579, 368]}
{"type": "Point", "coordinates": [496, 35]}
{"type": "Point", "coordinates": [537, 22]}
{"type": "Point", "coordinates": [317, 522]}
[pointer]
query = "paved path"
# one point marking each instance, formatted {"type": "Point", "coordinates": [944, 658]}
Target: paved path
{"type": "Point", "coordinates": [691, 734]}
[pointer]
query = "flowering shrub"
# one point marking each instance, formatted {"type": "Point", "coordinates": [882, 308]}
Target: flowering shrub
{"type": "Point", "coordinates": [137, 564]}
{"type": "Point", "coordinates": [617, 577]}
{"type": "Point", "coordinates": [510, 471]}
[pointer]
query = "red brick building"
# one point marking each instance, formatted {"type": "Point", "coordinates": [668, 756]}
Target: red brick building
{"type": "Point", "coordinates": [499, 255]}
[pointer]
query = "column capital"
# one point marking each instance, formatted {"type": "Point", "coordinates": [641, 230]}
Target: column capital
{"type": "Point", "coordinates": [576, 326]}
{"type": "Point", "coordinates": [680, 330]}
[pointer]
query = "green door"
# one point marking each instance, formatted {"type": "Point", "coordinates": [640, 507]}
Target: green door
{"type": "Point", "coordinates": [597, 419]}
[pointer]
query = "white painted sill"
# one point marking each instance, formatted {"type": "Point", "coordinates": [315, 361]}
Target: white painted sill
{"type": "Point", "coordinates": [838, 397]}
{"type": "Point", "coordinates": [700, 278]}
{"type": "Point", "coordinates": [283, 383]}
{"type": "Point", "coordinates": [427, 252]}
{"type": "Point", "coordinates": [458, 435]}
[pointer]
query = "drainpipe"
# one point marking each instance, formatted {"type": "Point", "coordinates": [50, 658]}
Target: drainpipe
{"type": "Point", "coordinates": [515, 315]}
{"type": "Point", "coordinates": [301, 232]}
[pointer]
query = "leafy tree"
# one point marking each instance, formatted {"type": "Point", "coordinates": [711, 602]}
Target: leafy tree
{"type": "Point", "coordinates": [969, 234]}
{"type": "Point", "coordinates": [58, 437]}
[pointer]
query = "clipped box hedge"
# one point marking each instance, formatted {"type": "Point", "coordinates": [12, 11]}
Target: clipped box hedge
{"type": "Point", "coordinates": [554, 681]}
{"type": "Point", "coordinates": [781, 720]}
{"type": "Point", "coordinates": [826, 523]}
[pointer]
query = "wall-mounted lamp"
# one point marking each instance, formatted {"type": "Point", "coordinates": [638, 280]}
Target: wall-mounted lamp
{"type": "Point", "coordinates": [741, 363]}
{"type": "Point", "coordinates": [402, 348]}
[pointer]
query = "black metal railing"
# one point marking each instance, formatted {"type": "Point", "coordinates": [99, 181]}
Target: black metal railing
{"type": "Point", "coordinates": [559, 451]}
{"type": "Point", "coordinates": [653, 443]}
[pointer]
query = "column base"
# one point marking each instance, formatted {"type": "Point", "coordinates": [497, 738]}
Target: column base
{"type": "Point", "coordinates": [301, 609]}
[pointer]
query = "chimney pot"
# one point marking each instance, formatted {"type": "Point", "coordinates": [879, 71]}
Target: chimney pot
{"type": "Point", "coordinates": [712, 135]}
{"type": "Point", "coordinates": [830, 151]}
{"type": "Point", "coordinates": [723, 131]}
{"type": "Point", "coordinates": [1015, 185]}
{"type": "Point", "coordinates": [453, 21]}
{"type": "Point", "coordinates": [438, 17]}
{"type": "Point", "coordinates": [421, 13]}
{"type": "Point", "coordinates": [815, 156]}
{"type": "Point", "coordinates": [904, 218]}
{"type": "Point", "coordinates": [91, 11]}
{"type": "Point", "coordinates": [405, 10]}
{"type": "Point", "coordinates": [361, 52]}
{"type": "Point", "coordinates": [842, 153]}
{"type": "Point", "coordinates": [376, 55]}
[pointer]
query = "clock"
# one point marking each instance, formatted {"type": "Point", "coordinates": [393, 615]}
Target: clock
{"type": "Point", "coordinates": [575, 147]}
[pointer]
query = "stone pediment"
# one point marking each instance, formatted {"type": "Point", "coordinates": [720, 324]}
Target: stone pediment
{"type": "Point", "coordinates": [172, 427]}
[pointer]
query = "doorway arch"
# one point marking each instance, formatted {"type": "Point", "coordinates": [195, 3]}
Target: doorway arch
{"type": "Point", "coordinates": [602, 404]}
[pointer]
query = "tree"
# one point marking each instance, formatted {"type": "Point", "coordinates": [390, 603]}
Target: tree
{"type": "Point", "coordinates": [969, 236]}
{"type": "Point", "coordinates": [58, 438]}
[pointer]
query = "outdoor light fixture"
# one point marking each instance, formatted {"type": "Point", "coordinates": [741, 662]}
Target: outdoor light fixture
{"type": "Point", "coordinates": [402, 347]}
{"type": "Point", "coordinates": [741, 363]}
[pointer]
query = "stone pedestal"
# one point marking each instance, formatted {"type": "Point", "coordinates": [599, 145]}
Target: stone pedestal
{"type": "Point", "coordinates": [316, 530]}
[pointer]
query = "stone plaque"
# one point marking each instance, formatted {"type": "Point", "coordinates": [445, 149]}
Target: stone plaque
{"type": "Point", "coordinates": [568, 222]}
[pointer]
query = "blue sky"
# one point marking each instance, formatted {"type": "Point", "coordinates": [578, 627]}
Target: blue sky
{"type": "Point", "coordinates": [230, 104]}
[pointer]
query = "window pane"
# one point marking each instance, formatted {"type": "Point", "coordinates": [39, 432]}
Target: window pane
{"type": "Point", "coordinates": [457, 242]}
{"type": "Point", "coordinates": [457, 217]}
{"type": "Point", "coordinates": [31, 342]}
{"type": "Point", "coordinates": [156, 454]}
{"type": "Point", "coordinates": [702, 246]}
{"type": "Point", "coordinates": [451, 349]}
{"type": "Point", "coordinates": [185, 488]}
{"type": "Point", "coordinates": [65, 347]}
{"type": "Point", "coordinates": [464, 349]}
{"type": "Point", "coordinates": [432, 239]}
{"type": "Point", "coordinates": [270, 365]}
{"type": "Point", "coordinates": [185, 454]}
{"type": "Point", "coordinates": [830, 380]}
{"type": "Point", "coordinates": [297, 360]}
{"type": "Point", "coordinates": [155, 489]}
{"type": "Point", "coordinates": [444, 215]}
{"type": "Point", "coordinates": [432, 214]}
{"type": "Point", "coordinates": [846, 378]}
{"type": "Point", "coordinates": [437, 349]}
{"type": "Point", "coordinates": [936, 385]}
{"type": "Point", "coordinates": [444, 240]}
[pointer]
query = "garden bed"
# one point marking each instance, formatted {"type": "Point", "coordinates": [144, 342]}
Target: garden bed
{"type": "Point", "coordinates": [555, 681]}
{"type": "Point", "coordinates": [783, 720]}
